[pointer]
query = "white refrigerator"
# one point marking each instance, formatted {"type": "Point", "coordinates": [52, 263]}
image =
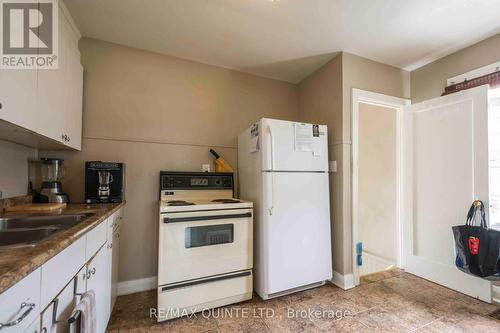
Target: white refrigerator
{"type": "Point", "coordinates": [283, 169]}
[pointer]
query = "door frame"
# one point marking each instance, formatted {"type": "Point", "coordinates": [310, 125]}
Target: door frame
{"type": "Point", "coordinates": [368, 97]}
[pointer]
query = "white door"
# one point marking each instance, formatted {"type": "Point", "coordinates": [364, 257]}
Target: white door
{"type": "Point", "coordinates": [297, 229]}
{"type": "Point", "coordinates": [98, 280]}
{"type": "Point", "coordinates": [291, 146]}
{"type": "Point", "coordinates": [445, 167]}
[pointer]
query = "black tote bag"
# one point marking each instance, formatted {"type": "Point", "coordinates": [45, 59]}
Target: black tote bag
{"type": "Point", "coordinates": [477, 247]}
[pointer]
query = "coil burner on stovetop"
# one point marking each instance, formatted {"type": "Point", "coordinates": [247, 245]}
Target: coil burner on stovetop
{"type": "Point", "coordinates": [179, 203]}
{"type": "Point", "coordinates": [226, 200]}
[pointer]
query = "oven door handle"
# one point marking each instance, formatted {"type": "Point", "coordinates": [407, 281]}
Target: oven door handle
{"type": "Point", "coordinates": [205, 218]}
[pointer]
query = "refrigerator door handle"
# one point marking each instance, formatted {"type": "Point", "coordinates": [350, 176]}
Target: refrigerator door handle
{"type": "Point", "coordinates": [271, 206]}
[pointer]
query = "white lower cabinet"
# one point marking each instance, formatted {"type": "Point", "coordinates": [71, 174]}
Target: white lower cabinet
{"type": "Point", "coordinates": [44, 300]}
{"type": "Point", "coordinates": [98, 281]}
{"type": "Point", "coordinates": [20, 304]}
{"type": "Point", "coordinates": [115, 256]}
{"type": "Point", "coordinates": [56, 314]}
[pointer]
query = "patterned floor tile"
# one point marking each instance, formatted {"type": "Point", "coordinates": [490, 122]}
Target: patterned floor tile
{"type": "Point", "coordinates": [398, 302]}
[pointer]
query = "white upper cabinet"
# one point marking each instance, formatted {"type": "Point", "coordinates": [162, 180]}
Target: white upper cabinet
{"type": "Point", "coordinates": [73, 99]}
{"type": "Point", "coordinates": [18, 97]}
{"type": "Point", "coordinates": [51, 85]}
{"type": "Point", "coordinates": [47, 102]}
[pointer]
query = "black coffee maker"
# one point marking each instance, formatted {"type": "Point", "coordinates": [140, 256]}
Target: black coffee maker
{"type": "Point", "coordinates": [104, 182]}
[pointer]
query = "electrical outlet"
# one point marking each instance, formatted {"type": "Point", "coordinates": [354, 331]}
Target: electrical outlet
{"type": "Point", "coordinates": [332, 166]}
{"type": "Point", "coordinates": [205, 167]}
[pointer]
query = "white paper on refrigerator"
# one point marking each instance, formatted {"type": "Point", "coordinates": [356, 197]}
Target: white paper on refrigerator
{"type": "Point", "coordinates": [303, 137]}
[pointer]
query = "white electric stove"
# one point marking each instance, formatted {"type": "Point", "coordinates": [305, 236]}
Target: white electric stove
{"type": "Point", "coordinates": [205, 256]}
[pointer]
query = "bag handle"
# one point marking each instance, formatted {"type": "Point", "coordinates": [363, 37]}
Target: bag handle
{"type": "Point", "coordinates": [471, 215]}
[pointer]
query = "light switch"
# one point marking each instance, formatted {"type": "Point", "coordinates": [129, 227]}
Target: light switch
{"type": "Point", "coordinates": [332, 166]}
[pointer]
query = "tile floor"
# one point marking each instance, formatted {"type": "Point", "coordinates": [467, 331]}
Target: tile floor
{"type": "Point", "coordinates": [391, 301]}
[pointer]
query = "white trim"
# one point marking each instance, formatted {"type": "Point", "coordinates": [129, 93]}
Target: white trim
{"type": "Point", "coordinates": [373, 263]}
{"type": "Point", "coordinates": [474, 73]}
{"type": "Point", "coordinates": [343, 281]}
{"type": "Point", "coordinates": [136, 286]}
{"type": "Point", "coordinates": [385, 101]}
{"type": "Point", "coordinates": [495, 294]}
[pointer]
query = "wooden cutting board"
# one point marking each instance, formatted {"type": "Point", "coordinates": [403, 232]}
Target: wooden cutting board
{"type": "Point", "coordinates": [39, 207]}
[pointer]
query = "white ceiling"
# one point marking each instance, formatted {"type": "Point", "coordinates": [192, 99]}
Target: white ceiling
{"type": "Point", "coordinates": [289, 39]}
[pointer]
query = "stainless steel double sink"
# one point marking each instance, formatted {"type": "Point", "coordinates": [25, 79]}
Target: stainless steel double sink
{"type": "Point", "coordinates": [27, 230]}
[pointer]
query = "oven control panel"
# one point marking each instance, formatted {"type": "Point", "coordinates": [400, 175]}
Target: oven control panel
{"type": "Point", "coordinates": [195, 180]}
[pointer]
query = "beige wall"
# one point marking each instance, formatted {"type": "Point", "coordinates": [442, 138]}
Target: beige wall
{"type": "Point", "coordinates": [320, 101]}
{"type": "Point", "coordinates": [377, 180]}
{"type": "Point", "coordinates": [320, 98]}
{"type": "Point", "coordinates": [429, 81]}
{"type": "Point", "coordinates": [365, 74]}
{"type": "Point", "coordinates": [14, 168]}
{"type": "Point", "coordinates": [154, 112]}
{"type": "Point", "coordinates": [325, 97]}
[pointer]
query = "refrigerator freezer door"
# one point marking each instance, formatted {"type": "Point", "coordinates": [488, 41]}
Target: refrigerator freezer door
{"type": "Point", "coordinates": [290, 146]}
{"type": "Point", "coordinates": [296, 222]}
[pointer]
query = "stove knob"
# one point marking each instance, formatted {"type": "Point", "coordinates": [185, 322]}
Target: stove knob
{"type": "Point", "coordinates": [218, 182]}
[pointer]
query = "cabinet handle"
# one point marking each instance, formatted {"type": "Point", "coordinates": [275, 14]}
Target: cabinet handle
{"type": "Point", "coordinates": [30, 306]}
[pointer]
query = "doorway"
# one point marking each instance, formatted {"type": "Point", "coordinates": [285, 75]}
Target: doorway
{"type": "Point", "coordinates": [377, 231]}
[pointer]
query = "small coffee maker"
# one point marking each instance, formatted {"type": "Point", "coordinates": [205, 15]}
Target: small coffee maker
{"type": "Point", "coordinates": [51, 172]}
{"type": "Point", "coordinates": [104, 182]}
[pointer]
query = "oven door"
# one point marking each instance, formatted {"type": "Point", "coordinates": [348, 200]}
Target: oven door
{"type": "Point", "coordinates": [193, 245]}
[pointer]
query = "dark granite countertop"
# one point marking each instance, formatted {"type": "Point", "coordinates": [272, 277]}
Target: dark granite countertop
{"type": "Point", "coordinates": [16, 263]}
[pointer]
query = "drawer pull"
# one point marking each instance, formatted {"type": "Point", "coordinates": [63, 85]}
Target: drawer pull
{"type": "Point", "coordinates": [30, 306]}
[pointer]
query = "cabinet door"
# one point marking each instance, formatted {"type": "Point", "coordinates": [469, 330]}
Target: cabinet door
{"type": "Point", "coordinates": [56, 314]}
{"type": "Point", "coordinates": [97, 280]}
{"type": "Point", "coordinates": [115, 261]}
{"type": "Point", "coordinates": [74, 95]}
{"type": "Point", "coordinates": [109, 271]}
{"type": "Point", "coordinates": [20, 304]}
{"type": "Point", "coordinates": [18, 97]}
{"type": "Point", "coordinates": [50, 90]}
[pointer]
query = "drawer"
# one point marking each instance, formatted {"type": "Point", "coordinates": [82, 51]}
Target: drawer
{"type": "Point", "coordinates": [95, 239]}
{"type": "Point", "coordinates": [58, 271]}
{"type": "Point", "coordinates": [22, 299]}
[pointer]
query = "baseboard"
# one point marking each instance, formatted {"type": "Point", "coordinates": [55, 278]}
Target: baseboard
{"type": "Point", "coordinates": [135, 286]}
{"type": "Point", "coordinates": [373, 263]}
{"type": "Point", "coordinates": [343, 281]}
